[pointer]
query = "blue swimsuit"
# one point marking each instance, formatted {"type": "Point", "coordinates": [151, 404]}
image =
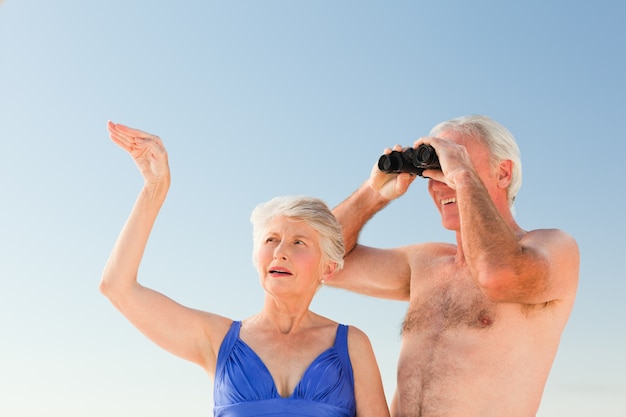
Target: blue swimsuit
{"type": "Point", "coordinates": [244, 387]}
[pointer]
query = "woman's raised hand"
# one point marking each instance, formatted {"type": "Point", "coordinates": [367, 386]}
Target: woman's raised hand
{"type": "Point", "coordinates": [146, 150]}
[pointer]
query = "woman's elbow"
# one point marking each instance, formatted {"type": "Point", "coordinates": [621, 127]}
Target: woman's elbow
{"type": "Point", "coordinates": [105, 287]}
{"type": "Point", "coordinates": [112, 288]}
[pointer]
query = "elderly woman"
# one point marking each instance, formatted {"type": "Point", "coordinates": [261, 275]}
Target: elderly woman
{"type": "Point", "coordinates": [283, 361]}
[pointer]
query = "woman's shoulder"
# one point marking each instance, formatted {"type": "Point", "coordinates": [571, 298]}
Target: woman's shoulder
{"type": "Point", "coordinates": [356, 336]}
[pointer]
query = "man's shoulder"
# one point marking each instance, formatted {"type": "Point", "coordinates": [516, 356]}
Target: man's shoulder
{"type": "Point", "coordinates": [550, 231]}
{"type": "Point", "coordinates": [429, 251]}
{"type": "Point", "coordinates": [552, 238]}
{"type": "Point", "coordinates": [433, 248]}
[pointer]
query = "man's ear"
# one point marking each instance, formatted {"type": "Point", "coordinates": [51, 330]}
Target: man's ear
{"type": "Point", "coordinates": [505, 170]}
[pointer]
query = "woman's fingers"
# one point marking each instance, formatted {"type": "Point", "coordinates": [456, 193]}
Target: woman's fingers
{"type": "Point", "coordinates": [133, 140]}
{"type": "Point", "coordinates": [129, 131]}
{"type": "Point", "coordinates": [120, 137]}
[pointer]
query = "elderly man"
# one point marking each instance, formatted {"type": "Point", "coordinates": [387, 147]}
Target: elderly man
{"type": "Point", "coordinates": [486, 314]}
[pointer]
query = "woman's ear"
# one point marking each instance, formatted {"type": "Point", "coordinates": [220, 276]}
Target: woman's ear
{"type": "Point", "coordinates": [329, 270]}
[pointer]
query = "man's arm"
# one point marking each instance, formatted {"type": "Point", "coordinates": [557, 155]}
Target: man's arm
{"type": "Point", "coordinates": [376, 272]}
{"type": "Point", "coordinates": [382, 273]}
{"type": "Point", "coordinates": [371, 197]}
{"type": "Point", "coordinates": [509, 265]}
{"type": "Point", "coordinates": [354, 212]}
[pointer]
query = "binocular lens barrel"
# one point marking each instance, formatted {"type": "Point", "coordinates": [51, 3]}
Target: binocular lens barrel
{"type": "Point", "coordinates": [391, 162]}
{"type": "Point", "coordinates": [410, 160]}
{"type": "Point", "coordinates": [425, 155]}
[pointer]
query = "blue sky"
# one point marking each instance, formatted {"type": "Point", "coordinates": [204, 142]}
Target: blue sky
{"type": "Point", "coordinates": [262, 98]}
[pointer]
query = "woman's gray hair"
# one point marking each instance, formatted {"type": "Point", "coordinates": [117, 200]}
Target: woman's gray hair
{"type": "Point", "coordinates": [310, 210]}
{"type": "Point", "coordinates": [498, 139]}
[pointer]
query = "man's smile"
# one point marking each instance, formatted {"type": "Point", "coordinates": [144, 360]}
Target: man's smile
{"type": "Point", "coordinates": [447, 201]}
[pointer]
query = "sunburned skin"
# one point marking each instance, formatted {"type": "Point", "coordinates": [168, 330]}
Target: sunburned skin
{"type": "Point", "coordinates": [485, 314]}
{"type": "Point", "coordinates": [461, 353]}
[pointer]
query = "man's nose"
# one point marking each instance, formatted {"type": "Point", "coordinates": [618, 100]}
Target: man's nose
{"type": "Point", "coordinates": [436, 185]}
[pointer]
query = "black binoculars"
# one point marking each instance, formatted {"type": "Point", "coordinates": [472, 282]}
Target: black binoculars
{"type": "Point", "coordinates": [412, 160]}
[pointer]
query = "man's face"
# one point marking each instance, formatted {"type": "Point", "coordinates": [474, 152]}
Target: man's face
{"type": "Point", "coordinates": [444, 196]}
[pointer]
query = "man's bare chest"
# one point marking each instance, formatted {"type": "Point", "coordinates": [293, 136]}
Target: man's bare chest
{"type": "Point", "coordinates": [448, 299]}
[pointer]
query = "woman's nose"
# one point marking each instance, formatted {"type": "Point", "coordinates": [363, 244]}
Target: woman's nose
{"type": "Point", "coordinates": [279, 252]}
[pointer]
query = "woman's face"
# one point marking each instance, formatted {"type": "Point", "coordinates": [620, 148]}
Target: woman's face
{"type": "Point", "coordinates": [289, 258]}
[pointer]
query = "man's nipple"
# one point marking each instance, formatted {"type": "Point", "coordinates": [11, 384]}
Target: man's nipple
{"type": "Point", "coordinates": [485, 320]}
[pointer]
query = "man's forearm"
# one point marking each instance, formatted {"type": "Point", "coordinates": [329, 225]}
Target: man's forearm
{"type": "Point", "coordinates": [489, 242]}
{"type": "Point", "coordinates": [356, 210]}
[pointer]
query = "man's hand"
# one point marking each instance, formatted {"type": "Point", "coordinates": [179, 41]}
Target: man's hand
{"type": "Point", "coordinates": [453, 159]}
{"type": "Point", "coordinates": [390, 186]}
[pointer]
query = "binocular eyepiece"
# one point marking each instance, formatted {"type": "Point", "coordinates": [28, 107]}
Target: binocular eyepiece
{"type": "Point", "coordinates": [412, 160]}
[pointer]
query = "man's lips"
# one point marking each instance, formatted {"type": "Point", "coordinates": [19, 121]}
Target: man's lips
{"type": "Point", "coordinates": [447, 201]}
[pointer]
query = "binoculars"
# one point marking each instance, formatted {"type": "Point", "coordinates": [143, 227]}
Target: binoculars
{"type": "Point", "coordinates": [411, 160]}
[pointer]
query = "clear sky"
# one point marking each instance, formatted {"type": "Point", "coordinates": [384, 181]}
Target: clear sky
{"type": "Point", "coordinates": [255, 99]}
